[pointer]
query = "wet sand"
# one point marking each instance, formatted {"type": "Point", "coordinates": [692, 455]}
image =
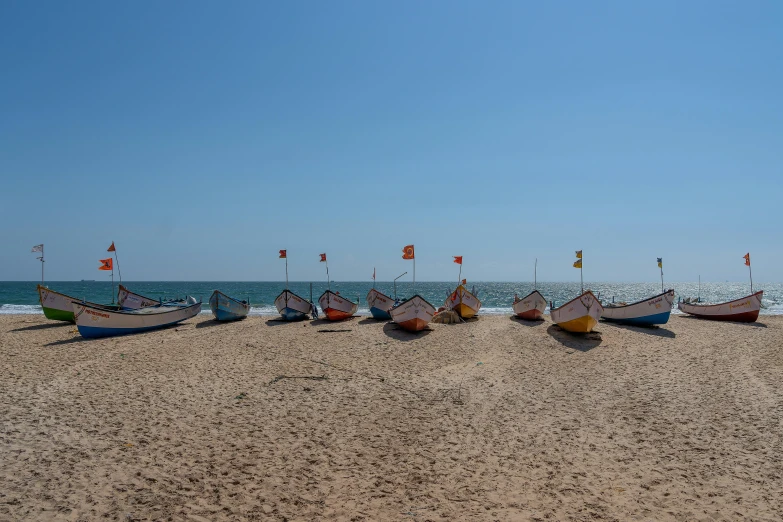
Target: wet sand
{"type": "Point", "coordinates": [496, 419]}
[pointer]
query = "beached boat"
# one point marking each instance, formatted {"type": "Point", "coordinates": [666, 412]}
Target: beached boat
{"type": "Point", "coordinates": [57, 306]}
{"type": "Point", "coordinates": [226, 308]}
{"type": "Point", "coordinates": [413, 314]}
{"type": "Point", "coordinates": [292, 307]}
{"type": "Point", "coordinates": [531, 307]}
{"type": "Point", "coordinates": [335, 307]}
{"type": "Point", "coordinates": [745, 310]}
{"type": "Point", "coordinates": [379, 305]}
{"type": "Point", "coordinates": [647, 312]}
{"type": "Point", "coordinates": [99, 322]}
{"type": "Point", "coordinates": [463, 302]}
{"type": "Point", "coordinates": [579, 315]}
{"type": "Point", "coordinates": [131, 301]}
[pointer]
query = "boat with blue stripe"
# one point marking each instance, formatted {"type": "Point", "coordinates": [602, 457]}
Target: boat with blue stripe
{"type": "Point", "coordinates": [647, 312]}
{"type": "Point", "coordinates": [226, 308]}
{"type": "Point", "coordinates": [379, 304]}
{"type": "Point", "coordinates": [93, 321]}
{"type": "Point", "coordinates": [292, 307]}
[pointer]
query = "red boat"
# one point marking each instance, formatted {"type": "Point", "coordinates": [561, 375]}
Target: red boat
{"type": "Point", "coordinates": [745, 310]}
{"type": "Point", "coordinates": [335, 307]}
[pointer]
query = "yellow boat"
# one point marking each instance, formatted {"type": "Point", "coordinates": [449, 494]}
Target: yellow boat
{"type": "Point", "coordinates": [580, 315]}
{"type": "Point", "coordinates": [463, 302]}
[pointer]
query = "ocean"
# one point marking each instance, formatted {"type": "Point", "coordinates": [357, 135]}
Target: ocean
{"type": "Point", "coordinates": [21, 297]}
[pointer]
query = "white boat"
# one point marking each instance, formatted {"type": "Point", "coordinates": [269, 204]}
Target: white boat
{"type": "Point", "coordinates": [57, 306]}
{"type": "Point", "coordinates": [413, 314]}
{"type": "Point", "coordinates": [531, 307]}
{"type": "Point", "coordinates": [379, 304]}
{"type": "Point", "coordinates": [99, 322]}
{"type": "Point", "coordinates": [580, 315]}
{"type": "Point", "coordinates": [647, 312]}
{"type": "Point", "coordinates": [336, 307]}
{"type": "Point", "coordinates": [292, 307]}
{"type": "Point", "coordinates": [130, 301]}
{"type": "Point", "coordinates": [745, 310]}
{"type": "Point", "coordinates": [463, 302]}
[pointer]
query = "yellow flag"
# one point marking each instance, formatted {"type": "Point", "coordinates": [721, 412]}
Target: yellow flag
{"type": "Point", "coordinates": [579, 254]}
{"type": "Point", "coordinates": [578, 263]}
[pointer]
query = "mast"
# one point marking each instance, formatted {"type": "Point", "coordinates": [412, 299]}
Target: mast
{"type": "Point", "coordinates": [535, 276]}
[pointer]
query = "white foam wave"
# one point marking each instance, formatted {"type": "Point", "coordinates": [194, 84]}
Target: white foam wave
{"type": "Point", "coordinates": [8, 309]}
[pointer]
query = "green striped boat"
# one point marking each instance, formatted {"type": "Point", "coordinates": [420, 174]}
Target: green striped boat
{"type": "Point", "coordinates": [59, 307]}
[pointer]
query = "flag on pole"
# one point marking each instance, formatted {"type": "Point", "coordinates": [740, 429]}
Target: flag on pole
{"type": "Point", "coordinates": [323, 258]}
{"type": "Point", "coordinates": [579, 254]}
{"type": "Point", "coordinates": [282, 254]}
{"type": "Point", "coordinates": [106, 264]}
{"type": "Point", "coordinates": [111, 248]}
{"type": "Point", "coordinates": [37, 248]}
{"type": "Point", "coordinates": [578, 263]}
{"type": "Point", "coordinates": [747, 259]}
{"type": "Point", "coordinates": [407, 252]}
{"type": "Point", "coordinates": [660, 262]}
{"type": "Point", "coordinates": [458, 259]}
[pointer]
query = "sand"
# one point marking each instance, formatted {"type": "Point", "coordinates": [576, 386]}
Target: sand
{"type": "Point", "coordinates": [496, 419]}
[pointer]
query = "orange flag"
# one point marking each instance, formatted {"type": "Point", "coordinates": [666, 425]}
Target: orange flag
{"type": "Point", "coordinates": [282, 254]}
{"type": "Point", "coordinates": [458, 259]}
{"type": "Point", "coordinates": [747, 259]}
{"type": "Point", "coordinates": [323, 258]}
{"type": "Point", "coordinates": [106, 264]}
{"type": "Point", "coordinates": [407, 252]}
{"type": "Point", "coordinates": [111, 248]}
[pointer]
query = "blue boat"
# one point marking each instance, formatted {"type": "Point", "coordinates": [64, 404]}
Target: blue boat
{"type": "Point", "coordinates": [647, 312]}
{"type": "Point", "coordinates": [292, 307]}
{"type": "Point", "coordinates": [226, 308]}
{"type": "Point", "coordinates": [379, 304]}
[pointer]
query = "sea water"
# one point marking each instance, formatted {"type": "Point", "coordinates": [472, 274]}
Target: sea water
{"type": "Point", "coordinates": [496, 298]}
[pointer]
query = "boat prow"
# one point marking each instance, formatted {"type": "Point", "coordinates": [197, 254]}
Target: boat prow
{"type": "Point", "coordinates": [579, 315]}
{"type": "Point", "coordinates": [647, 312]}
{"type": "Point", "coordinates": [226, 308]}
{"type": "Point", "coordinates": [292, 307]}
{"type": "Point", "coordinates": [531, 307]}
{"type": "Point", "coordinates": [744, 310]}
{"type": "Point", "coordinates": [379, 304]}
{"type": "Point", "coordinates": [465, 304]}
{"type": "Point", "coordinates": [336, 307]}
{"type": "Point", "coordinates": [413, 314]}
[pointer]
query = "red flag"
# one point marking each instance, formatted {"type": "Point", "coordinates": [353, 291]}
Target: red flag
{"type": "Point", "coordinates": [323, 258]}
{"type": "Point", "coordinates": [111, 248]}
{"type": "Point", "coordinates": [105, 264]}
{"type": "Point", "coordinates": [407, 252]}
{"type": "Point", "coordinates": [458, 259]}
{"type": "Point", "coordinates": [747, 259]}
{"type": "Point", "coordinates": [282, 254]}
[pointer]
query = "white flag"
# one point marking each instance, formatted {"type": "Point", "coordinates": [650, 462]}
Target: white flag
{"type": "Point", "coordinates": [37, 248]}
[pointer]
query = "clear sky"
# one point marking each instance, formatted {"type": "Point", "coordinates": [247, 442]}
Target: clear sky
{"type": "Point", "coordinates": [202, 137]}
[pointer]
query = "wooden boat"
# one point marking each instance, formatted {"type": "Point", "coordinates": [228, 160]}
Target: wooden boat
{"type": "Point", "coordinates": [95, 322]}
{"type": "Point", "coordinates": [335, 307]}
{"type": "Point", "coordinates": [579, 315]}
{"type": "Point", "coordinates": [57, 306]}
{"type": "Point", "coordinates": [226, 308]}
{"type": "Point", "coordinates": [531, 307]}
{"type": "Point", "coordinates": [292, 307]}
{"type": "Point", "coordinates": [413, 314]}
{"type": "Point", "coordinates": [463, 302]}
{"type": "Point", "coordinates": [745, 310]}
{"type": "Point", "coordinates": [647, 312]}
{"type": "Point", "coordinates": [379, 305]}
{"type": "Point", "coordinates": [130, 301]}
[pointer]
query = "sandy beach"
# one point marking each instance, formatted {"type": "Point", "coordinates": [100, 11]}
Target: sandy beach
{"type": "Point", "coordinates": [497, 419]}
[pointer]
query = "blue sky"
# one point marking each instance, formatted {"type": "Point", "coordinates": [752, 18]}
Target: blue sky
{"type": "Point", "coordinates": [204, 136]}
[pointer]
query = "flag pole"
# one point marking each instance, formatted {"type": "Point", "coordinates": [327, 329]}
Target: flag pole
{"type": "Point", "coordinates": [581, 276]}
{"type": "Point", "coordinates": [662, 289]}
{"type": "Point", "coordinates": [459, 277]}
{"type": "Point", "coordinates": [286, 270]}
{"type": "Point", "coordinates": [328, 282]}
{"type": "Point", "coordinates": [112, 284]}
{"type": "Point", "coordinates": [42, 264]}
{"type": "Point", "coordinates": [751, 277]}
{"type": "Point", "coordinates": [535, 276]}
{"type": "Point", "coordinates": [698, 299]}
{"type": "Point", "coordinates": [118, 262]}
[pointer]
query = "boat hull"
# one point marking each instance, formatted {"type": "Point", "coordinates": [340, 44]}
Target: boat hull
{"type": "Point", "coordinates": [131, 301]}
{"type": "Point", "coordinates": [413, 314]}
{"type": "Point", "coordinates": [531, 307]}
{"type": "Point", "coordinates": [379, 305]}
{"type": "Point", "coordinates": [292, 307]}
{"type": "Point", "coordinates": [648, 312]}
{"type": "Point", "coordinates": [226, 308]}
{"type": "Point", "coordinates": [580, 315]}
{"type": "Point", "coordinates": [463, 302]}
{"type": "Point", "coordinates": [95, 322]}
{"type": "Point", "coordinates": [335, 307]}
{"type": "Point", "coordinates": [745, 310]}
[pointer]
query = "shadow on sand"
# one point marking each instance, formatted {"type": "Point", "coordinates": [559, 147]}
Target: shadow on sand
{"type": "Point", "coordinates": [525, 322]}
{"type": "Point", "coordinates": [658, 331]}
{"type": "Point", "coordinates": [212, 322]}
{"type": "Point", "coordinates": [395, 332]}
{"type": "Point", "coordinates": [370, 320]}
{"type": "Point", "coordinates": [742, 323]}
{"type": "Point", "coordinates": [280, 321]}
{"type": "Point", "coordinates": [44, 326]}
{"type": "Point", "coordinates": [72, 340]}
{"type": "Point", "coordinates": [581, 342]}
